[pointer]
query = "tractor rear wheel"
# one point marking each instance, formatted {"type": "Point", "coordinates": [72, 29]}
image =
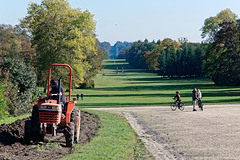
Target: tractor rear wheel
{"type": "Point", "coordinates": [76, 119]}
{"type": "Point", "coordinates": [69, 135]}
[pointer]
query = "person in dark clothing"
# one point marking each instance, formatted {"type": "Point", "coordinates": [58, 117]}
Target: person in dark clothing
{"type": "Point", "coordinates": [77, 96]}
{"type": "Point", "coordinates": [82, 96]}
{"type": "Point", "coordinates": [194, 98]}
{"type": "Point", "coordinates": [54, 91]}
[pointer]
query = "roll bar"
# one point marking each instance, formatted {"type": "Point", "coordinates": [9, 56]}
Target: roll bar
{"type": "Point", "coordinates": [70, 79]}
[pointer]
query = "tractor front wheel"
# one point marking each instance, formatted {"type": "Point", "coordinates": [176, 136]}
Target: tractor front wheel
{"type": "Point", "coordinates": [35, 125]}
{"type": "Point", "coordinates": [69, 135]}
{"type": "Point", "coordinates": [27, 132]}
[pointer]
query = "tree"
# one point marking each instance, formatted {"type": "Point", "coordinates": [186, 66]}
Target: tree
{"type": "Point", "coordinates": [9, 43]}
{"type": "Point", "coordinates": [212, 24]}
{"type": "Point", "coordinates": [61, 34]}
{"type": "Point", "coordinates": [161, 58]}
{"type": "Point", "coordinates": [137, 54]}
{"type": "Point", "coordinates": [106, 46]}
{"type": "Point", "coordinates": [171, 58]}
{"type": "Point", "coordinates": [199, 56]}
{"type": "Point", "coordinates": [18, 78]}
{"type": "Point", "coordinates": [95, 60]}
{"type": "Point", "coordinates": [222, 62]}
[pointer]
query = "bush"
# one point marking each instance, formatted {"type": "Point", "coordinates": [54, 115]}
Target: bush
{"type": "Point", "coordinates": [21, 89]}
{"type": "Point", "coordinates": [3, 103]}
{"type": "Point", "coordinates": [87, 84]}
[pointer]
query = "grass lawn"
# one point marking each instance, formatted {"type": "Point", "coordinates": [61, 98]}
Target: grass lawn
{"type": "Point", "coordinates": [10, 120]}
{"type": "Point", "coordinates": [115, 140]}
{"type": "Point", "coordinates": [138, 87]}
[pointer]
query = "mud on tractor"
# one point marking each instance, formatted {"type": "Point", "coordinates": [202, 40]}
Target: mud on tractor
{"type": "Point", "coordinates": [52, 116]}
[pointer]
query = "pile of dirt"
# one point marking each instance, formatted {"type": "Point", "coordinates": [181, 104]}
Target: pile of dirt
{"type": "Point", "coordinates": [13, 146]}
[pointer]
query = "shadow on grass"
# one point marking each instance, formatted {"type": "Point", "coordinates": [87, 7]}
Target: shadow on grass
{"type": "Point", "coordinates": [173, 87]}
{"type": "Point", "coordinates": [187, 103]}
{"type": "Point", "coordinates": [98, 105]}
{"type": "Point", "coordinates": [205, 94]}
{"type": "Point", "coordinates": [156, 79]}
{"type": "Point", "coordinates": [233, 101]}
{"type": "Point", "coordinates": [114, 66]}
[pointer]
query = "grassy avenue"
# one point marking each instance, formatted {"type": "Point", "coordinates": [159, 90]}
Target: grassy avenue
{"type": "Point", "coordinates": [136, 87]}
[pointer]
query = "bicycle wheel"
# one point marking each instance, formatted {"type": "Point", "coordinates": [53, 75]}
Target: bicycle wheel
{"type": "Point", "coordinates": [181, 107]}
{"type": "Point", "coordinates": [201, 107]}
{"type": "Point", "coordinates": [173, 107]}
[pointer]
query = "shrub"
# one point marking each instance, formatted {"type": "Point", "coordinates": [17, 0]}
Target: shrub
{"type": "Point", "coordinates": [21, 89]}
{"type": "Point", "coordinates": [3, 103]}
{"type": "Point", "coordinates": [87, 84]}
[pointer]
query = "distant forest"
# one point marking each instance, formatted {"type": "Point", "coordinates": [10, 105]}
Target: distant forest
{"type": "Point", "coordinates": [217, 57]}
{"type": "Point", "coordinates": [113, 51]}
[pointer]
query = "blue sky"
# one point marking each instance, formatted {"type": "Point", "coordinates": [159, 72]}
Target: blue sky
{"type": "Point", "coordinates": [132, 20]}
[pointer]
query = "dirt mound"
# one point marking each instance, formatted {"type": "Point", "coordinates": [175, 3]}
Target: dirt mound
{"type": "Point", "coordinates": [12, 145]}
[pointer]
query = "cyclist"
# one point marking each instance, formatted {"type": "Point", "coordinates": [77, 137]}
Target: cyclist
{"type": "Point", "coordinates": [177, 98]}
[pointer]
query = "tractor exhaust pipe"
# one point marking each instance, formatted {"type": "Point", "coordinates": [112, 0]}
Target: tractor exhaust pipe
{"type": "Point", "coordinates": [59, 90]}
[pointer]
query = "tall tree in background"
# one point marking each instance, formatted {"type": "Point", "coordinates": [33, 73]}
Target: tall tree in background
{"type": "Point", "coordinates": [15, 43]}
{"type": "Point", "coordinates": [199, 56]}
{"type": "Point", "coordinates": [17, 76]}
{"type": "Point", "coordinates": [95, 61]}
{"type": "Point", "coordinates": [9, 42]}
{"type": "Point", "coordinates": [222, 62]}
{"type": "Point", "coordinates": [212, 24]}
{"type": "Point", "coordinates": [61, 34]}
{"type": "Point", "coordinates": [136, 55]}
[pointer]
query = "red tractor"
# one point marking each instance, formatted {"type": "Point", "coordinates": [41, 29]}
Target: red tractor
{"type": "Point", "coordinates": [54, 116]}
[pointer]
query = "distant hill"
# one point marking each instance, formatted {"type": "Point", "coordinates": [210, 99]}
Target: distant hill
{"type": "Point", "coordinates": [113, 51]}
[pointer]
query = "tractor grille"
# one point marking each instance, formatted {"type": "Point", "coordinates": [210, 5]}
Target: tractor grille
{"type": "Point", "coordinates": [50, 117]}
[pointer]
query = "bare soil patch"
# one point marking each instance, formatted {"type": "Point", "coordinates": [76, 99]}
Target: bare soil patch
{"type": "Point", "coordinates": [13, 147]}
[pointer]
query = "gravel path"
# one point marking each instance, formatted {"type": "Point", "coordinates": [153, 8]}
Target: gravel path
{"type": "Point", "coordinates": [210, 134]}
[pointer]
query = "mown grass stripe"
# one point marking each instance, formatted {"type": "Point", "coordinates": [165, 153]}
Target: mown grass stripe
{"type": "Point", "coordinates": [115, 140]}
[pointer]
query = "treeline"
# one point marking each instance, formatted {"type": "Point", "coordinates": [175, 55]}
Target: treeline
{"type": "Point", "coordinates": [217, 57]}
{"type": "Point", "coordinates": [168, 57]}
{"type": "Point", "coordinates": [52, 32]}
{"type": "Point", "coordinates": [113, 51]}
{"type": "Point", "coordinates": [18, 89]}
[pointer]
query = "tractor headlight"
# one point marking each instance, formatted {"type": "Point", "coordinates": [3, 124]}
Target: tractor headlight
{"type": "Point", "coordinates": [49, 107]}
{"type": "Point", "coordinates": [43, 107]}
{"type": "Point", "coordinates": [54, 107]}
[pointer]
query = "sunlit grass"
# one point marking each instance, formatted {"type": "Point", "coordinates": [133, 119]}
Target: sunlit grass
{"type": "Point", "coordinates": [10, 120]}
{"type": "Point", "coordinates": [115, 140]}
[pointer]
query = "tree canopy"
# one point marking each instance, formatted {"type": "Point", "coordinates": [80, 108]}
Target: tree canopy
{"type": "Point", "coordinates": [213, 24]}
{"type": "Point", "coordinates": [222, 62]}
{"type": "Point", "coordinates": [61, 34]}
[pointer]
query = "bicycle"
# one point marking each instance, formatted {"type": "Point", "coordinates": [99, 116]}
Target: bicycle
{"type": "Point", "coordinates": [179, 105]}
{"type": "Point", "coordinates": [200, 104]}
